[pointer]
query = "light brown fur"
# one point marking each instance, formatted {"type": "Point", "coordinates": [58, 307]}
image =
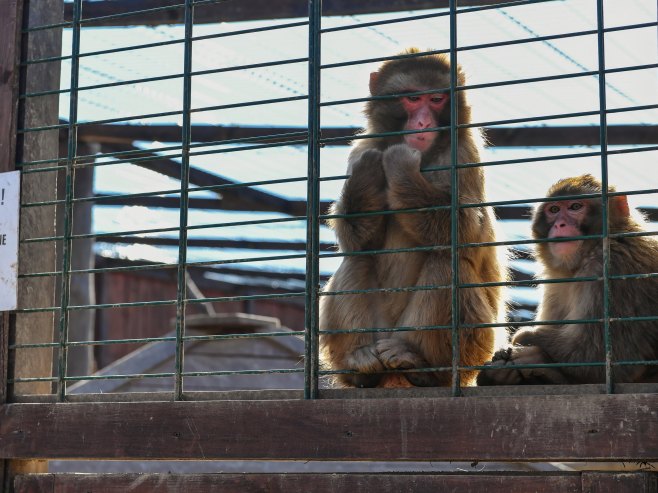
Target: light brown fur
{"type": "Point", "coordinates": [386, 175]}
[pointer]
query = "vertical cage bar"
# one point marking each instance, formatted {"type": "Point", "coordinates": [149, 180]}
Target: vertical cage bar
{"type": "Point", "coordinates": [311, 349]}
{"type": "Point", "coordinates": [67, 242]}
{"type": "Point", "coordinates": [186, 136]}
{"type": "Point", "coordinates": [454, 202]}
{"type": "Point", "coordinates": [603, 135]}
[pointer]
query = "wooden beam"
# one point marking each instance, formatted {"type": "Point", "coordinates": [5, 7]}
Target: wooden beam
{"type": "Point", "coordinates": [497, 136]}
{"type": "Point", "coordinates": [240, 198]}
{"type": "Point", "coordinates": [517, 428]}
{"type": "Point", "coordinates": [502, 213]}
{"type": "Point", "coordinates": [238, 201]}
{"type": "Point", "coordinates": [216, 243]}
{"type": "Point", "coordinates": [501, 482]}
{"type": "Point", "coordinates": [250, 10]}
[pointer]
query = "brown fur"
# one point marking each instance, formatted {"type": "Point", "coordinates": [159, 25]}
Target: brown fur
{"type": "Point", "coordinates": [386, 175]}
{"type": "Point", "coordinates": [581, 343]}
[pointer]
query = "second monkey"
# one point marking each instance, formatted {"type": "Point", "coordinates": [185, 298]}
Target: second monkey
{"type": "Point", "coordinates": [387, 174]}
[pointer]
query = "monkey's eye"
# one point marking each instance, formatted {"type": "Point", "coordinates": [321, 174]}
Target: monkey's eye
{"type": "Point", "coordinates": [575, 206]}
{"type": "Point", "coordinates": [553, 209]}
{"type": "Point", "coordinates": [413, 99]}
{"type": "Point", "coordinates": [437, 99]}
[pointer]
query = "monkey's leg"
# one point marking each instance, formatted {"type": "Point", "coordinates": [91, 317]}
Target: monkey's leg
{"type": "Point", "coordinates": [352, 351]}
{"type": "Point", "coordinates": [427, 348]}
{"type": "Point", "coordinates": [433, 348]}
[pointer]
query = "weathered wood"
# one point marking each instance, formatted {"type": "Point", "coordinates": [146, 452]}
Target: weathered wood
{"type": "Point", "coordinates": [247, 10]}
{"type": "Point", "coordinates": [587, 482]}
{"type": "Point", "coordinates": [10, 15]}
{"type": "Point", "coordinates": [499, 137]}
{"type": "Point", "coordinates": [630, 482]}
{"type": "Point", "coordinates": [546, 428]}
{"type": "Point", "coordinates": [286, 483]}
{"type": "Point", "coordinates": [38, 221]}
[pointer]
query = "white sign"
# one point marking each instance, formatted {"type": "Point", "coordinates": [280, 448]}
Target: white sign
{"type": "Point", "coordinates": [10, 188]}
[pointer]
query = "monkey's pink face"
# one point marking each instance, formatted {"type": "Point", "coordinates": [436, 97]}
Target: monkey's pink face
{"type": "Point", "coordinates": [422, 112]}
{"type": "Point", "coordinates": [565, 218]}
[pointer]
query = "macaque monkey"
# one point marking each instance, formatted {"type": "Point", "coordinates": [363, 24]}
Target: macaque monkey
{"type": "Point", "coordinates": [388, 174]}
{"type": "Point", "coordinates": [584, 342]}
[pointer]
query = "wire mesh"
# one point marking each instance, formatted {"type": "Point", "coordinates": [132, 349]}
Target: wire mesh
{"type": "Point", "coordinates": [303, 294]}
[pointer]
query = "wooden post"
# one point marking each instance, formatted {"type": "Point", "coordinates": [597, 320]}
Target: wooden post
{"type": "Point", "coordinates": [36, 187]}
{"type": "Point", "coordinates": [10, 15]}
{"type": "Point", "coordinates": [37, 221]}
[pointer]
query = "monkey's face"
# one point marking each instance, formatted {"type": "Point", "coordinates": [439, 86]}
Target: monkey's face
{"type": "Point", "coordinates": [565, 218]}
{"type": "Point", "coordinates": [423, 112]}
{"type": "Point", "coordinates": [562, 219]}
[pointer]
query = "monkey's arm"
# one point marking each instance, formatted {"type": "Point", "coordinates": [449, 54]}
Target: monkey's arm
{"type": "Point", "coordinates": [409, 189]}
{"type": "Point", "coordinates": [364, 191]}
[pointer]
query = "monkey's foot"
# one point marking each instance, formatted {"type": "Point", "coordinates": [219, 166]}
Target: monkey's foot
{"type": "Point", "coordinates": [365, 360]}
{"type": "Point", "coordinates": [504, 368]}
{"type": "Point", "coordinates": [395, 354]}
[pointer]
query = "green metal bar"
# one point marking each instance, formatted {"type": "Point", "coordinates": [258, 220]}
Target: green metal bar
{"type": "Point", "coordinates": [433, 15]}
{"type": "Point", "coordinates": [471, 87]}
{"type": "Point", "coordinates": [175, 156]}
{"type": "Point", "coordinates": [143, 340]}
{"type": "Point", "coordinates": [299, 142]}
{"type": "Point", "coordinates": [164, 77]}
{"type": "Point", "coordinates": [542, 118]}
{"type": "Point", "coordinates": [311, 315]}
{"type": "Point", "coordinates": [165, 43]}
{"type": "Point", "coordinates": [168, 230]}
{"type": "Point", "coordinates": [67, 244]}
{"type": "Point", "coordinates": [169, 113]}
{"type": "Point", "coordinates": [605, 247]}
{"type": "Point", "coordinates": [181, 290]}
{"type": "Point", "coordinates": [454, 204]}
{"type": "Point", "coordinates": [489, 45]}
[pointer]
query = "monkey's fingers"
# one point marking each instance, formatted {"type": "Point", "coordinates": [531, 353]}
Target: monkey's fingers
{"type": "Point", "coordinates": [365, 360]}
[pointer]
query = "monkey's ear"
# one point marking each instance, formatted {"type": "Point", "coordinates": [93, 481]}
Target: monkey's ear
{"type": "Point", "coordinates": [620, 204]}
{"type": "Point", "coordinates": [373, 81]}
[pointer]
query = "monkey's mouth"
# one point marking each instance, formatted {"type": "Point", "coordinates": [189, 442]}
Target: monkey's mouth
{"type": "Point", "coordinates": [565, 249]}
{"type": "Point", "coordinates": [420, 142]}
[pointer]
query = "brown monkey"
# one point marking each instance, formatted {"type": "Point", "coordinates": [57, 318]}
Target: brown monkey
{"type": "Point", "coordinates": [584, 343]}
{"type": "Point", "coordinates": [386, 173]}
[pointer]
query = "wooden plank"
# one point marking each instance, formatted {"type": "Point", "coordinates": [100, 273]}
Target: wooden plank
{"type": "Point", "coordinates": [521, 428]}
{"type": "Point", "coordinates": [285, 483]}
{"type": "Point", "coordinates": [497, 136]}
{"type": "Point", "coordinates": [631, 482]}
{"type": "Point", "coordinates": [247, 10]}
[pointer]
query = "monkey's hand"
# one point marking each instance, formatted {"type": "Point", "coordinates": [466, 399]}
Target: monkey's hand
{"type": "Point", "coordinates": [400, 163]}
{"type": "Point", "coordinates": [408, 188]}
{"type": "Point", "coordinates": [396, 354]}
{"type": "Point", "coordinates": [504, 368]}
